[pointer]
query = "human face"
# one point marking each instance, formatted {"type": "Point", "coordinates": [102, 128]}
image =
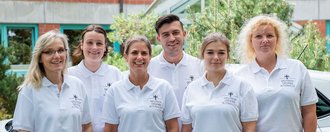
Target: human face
{"type": "Point", "coordinates": [171, 36]}
{"type": "Point", "coordinates": [264, 41]}
{"type": "Point", "coordinates": [93, 47]}
{"type": "Point", "coordinates": [215, 57]}
{"type": "Point", "coordinates": [54, 63]}
{"type": "Point", "coordinates": [138, 57]}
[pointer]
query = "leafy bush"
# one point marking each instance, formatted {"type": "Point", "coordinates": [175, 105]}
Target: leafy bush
{"type": "Point", "coordinates": [19, 53]}
{"type": "Point", "coordinates": [8, 87]}
{"type": "Point", "coordinates": [309, 48]}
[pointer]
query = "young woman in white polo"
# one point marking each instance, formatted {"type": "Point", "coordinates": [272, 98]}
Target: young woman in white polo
{"type": "Point", "coordinates": [218, 101]}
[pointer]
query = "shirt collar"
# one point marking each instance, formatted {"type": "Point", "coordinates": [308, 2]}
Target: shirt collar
{"type": "Point", "coordinates": [87, 73]}
{"type": "Point", "coordinates": [165, 63]}
{"type": "Point", "coordinates": [280, 64]}
{"type": "Point", "coordinates": [227, 79]}
{"type": "Point", "coordinates": [130, 85]}
{"type": "Point", "coordinates": [47, 83]}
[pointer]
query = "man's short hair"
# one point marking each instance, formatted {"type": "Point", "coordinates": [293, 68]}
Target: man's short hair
{"type": "Point", "coordinates": [169, 18]}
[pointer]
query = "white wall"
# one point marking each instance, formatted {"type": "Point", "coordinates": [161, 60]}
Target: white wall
{"type": "Point", "coordinates": [311, 9]}
{"type": "Point", "coordinates": [13, 11]}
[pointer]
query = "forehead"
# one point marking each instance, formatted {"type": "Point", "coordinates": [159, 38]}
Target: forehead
{"type": "Point", "coordinates": [169, 27]}
{"type": "Point", "coordinates": [139, 45]}
{"type": "Point", "coordinates": [216, 46]}
{"type": "Point", "coordinates": [263, 28]}
{"type": "Point", "coordinates": [55, 44]}
{"type": "Point", "coordinates": [93, 34]}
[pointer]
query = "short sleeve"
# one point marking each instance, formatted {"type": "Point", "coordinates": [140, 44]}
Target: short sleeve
{"type": "Point", "coordinates": [185, 111]}
{"type": "Point", "coordinates": [86, 115]}
{"type": "Point", "coordinates": [308, 92]}
{"type": "Point", "coordinates": [249, 104]}
{"type": "Point", "coordinates": [172, 109]}
{"type": "Point", "coordinates": [23, 117]}
{"type": "Point", "coordinates": [109, 109]}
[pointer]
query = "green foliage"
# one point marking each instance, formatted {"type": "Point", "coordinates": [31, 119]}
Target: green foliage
{"type": "Point", "coordinates": [19, 53]}
{"type": "Point", "coordinates": [309, 48]}
{"type": "Point", "coordinates": [228, 16]}
{"type": "Point", "coordinates": [8, 87]}
{"type": "Point", "coordinates": [117, 60]}
{"type": "Point", "coordinates": [133, 24]}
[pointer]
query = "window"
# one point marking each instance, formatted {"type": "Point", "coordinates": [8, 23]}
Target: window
{"type": "Point", "coordinates": [19, 39]}
{"type": "Point", "coordinates": [322, 106]}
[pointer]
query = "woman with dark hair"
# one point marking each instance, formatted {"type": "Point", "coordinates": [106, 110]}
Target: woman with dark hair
{"type": "Point", "coordinates": [140, 102]}
{"type": "Point", "coordinates": [96, 76]}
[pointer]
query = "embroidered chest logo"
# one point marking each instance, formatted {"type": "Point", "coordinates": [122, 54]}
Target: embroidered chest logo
{"type": "Point", "coordinates": [155, 102]}
{"type": "Point", "coordinates": [231, 99]}
{"type": "Point", "coordinates": [76, 102]}
{"type": "Point", "coordinates": [108, 85]}
{"type": "Point", "coordinates": [287, 81]}
{"type": "Point", "coordinates": [189, 80]}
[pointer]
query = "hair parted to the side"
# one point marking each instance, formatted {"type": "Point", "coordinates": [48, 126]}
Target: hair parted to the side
{"type": "Point", "coordinates": [138, 38]}
{"type": "Point", "coordinates": [167, 19]}
{"type": "Point", "coordinates": [36, 70]}
{"type": "Point", "coordinates": [78, 55]}
{"type": "Point", "coordinates": [245, 51]}
{"type": "Point", "coordinates": [214, 37]}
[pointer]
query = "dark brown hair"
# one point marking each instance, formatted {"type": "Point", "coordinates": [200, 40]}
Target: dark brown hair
{"type": "Point", "coordinates": [167, 19]}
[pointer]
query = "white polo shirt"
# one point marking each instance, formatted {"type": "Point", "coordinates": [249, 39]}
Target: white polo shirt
{"type": "Point", "coordinates": [212, 108]}
{"type": "Point", "coordinates": [96, 85]}
{"type": "Point", "coordinates": [280, 94]}
{"type": "Point", "coordinates": [139, 110]}
{"type": "Point", "coordinates": [180, 75]}
{"type": "Point", "coordinates": [48, 110]}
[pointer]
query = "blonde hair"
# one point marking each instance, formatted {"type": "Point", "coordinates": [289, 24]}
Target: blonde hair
{"type": "Point", "coordinates": [36, 70]}
{"type": "Point", "coordinates": [245, 49]}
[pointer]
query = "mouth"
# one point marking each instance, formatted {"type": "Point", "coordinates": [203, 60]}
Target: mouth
{"type": "Point", "coordinates": [56, 62]}
{"type": "Point", "coordinates": [139, 63]}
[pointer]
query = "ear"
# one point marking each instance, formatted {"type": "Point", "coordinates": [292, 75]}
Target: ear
{"type": "Point", "coordinates": [126, 57]}
{"type": "Point", "coordinates": [184, 33]}
{"type": "Point", "coordinates": [81, 45]}
{"type": "Point", "coordinates": [158, 37]}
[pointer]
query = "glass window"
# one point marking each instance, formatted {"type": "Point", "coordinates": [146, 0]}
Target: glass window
{"type": "Point", "coordinates": [74, 37]}
{"type": "Point", "coordinates": [19, 45]}
{"type": "Point", "coordinates": [322, 106]}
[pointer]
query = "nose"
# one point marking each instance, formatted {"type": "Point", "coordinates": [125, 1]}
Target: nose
{"type": "Point", "coordinates": [265, 40]}
{"type": "Point", "coordinates": [171, 37]}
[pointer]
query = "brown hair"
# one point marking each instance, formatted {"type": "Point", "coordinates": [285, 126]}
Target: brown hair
{"type": "Point", "coordinates": [167, 19]}
{"type": "Point", "coordinates": [138, 38]}
{"type": "Point", "coordinates": [214, 37]}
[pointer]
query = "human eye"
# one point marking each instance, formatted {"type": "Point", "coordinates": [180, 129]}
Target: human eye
{"type": "Point", "coordinates": [49, 52]}
{"type": "Point", "coordinates": [270, 36]}
{"type": "Point", "coordinates": [209, 52]}
{"type": "Point", "coordinates": [145, 53]}
{"type": "Point", "coordinates": [134, 52]}
{"type": "Point", "coordinates": [99, 44]}
{"type": "Point", "coordinates": [165, 34]}
{"type": "Point", "coordinates": [176, 32]}
{"type": "Point", "coordinates": [60, 51]}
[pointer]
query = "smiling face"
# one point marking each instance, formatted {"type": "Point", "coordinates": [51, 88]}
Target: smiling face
{"type": "Point", "coordinates": [138, 57]}
{"type": "Point", "coordinates": [215, 56]}
{"type": "Point", "coordinates": [53, 57]}
{"type": "Point", "coordinates": [264, 40]}
{"type": "Point", "coordinates": [93, 46]}
{"type": "Point", "coordinates": [171, 36]}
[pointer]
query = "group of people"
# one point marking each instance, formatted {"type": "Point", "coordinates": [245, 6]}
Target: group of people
{"type": "Point", "coordinates": [171, 92]}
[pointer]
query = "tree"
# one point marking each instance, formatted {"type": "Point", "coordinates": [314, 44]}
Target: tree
{"type": "Point", "coordinates": [228, 16]}
{"type": "Point", "coordinates": [8, 87]}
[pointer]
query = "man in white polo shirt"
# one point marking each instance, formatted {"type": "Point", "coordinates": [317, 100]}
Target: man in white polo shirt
{"type": "Point", "coordinates": [173, 64]}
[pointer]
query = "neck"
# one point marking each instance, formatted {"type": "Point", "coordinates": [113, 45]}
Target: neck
{"type": "Point", "coordinates": [139, 79]}
{"type": "Point", "coordinates": [215, 77]}
{"type": "Point", "coordinates": [267, 62]}
{"type": "Point", "coordinates": [173, 59]}
{"type": "Point", "coordinates": [56, 79]}
{"type": "Point", "coordinates": [93, 67]}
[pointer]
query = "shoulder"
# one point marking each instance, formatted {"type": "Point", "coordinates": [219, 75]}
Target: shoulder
{"type": "Point", "coordinates": [73, 69]}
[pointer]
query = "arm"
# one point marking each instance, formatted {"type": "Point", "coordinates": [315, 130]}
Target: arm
{"type": "Point", "coordinates": [87, 127]}
{"type": "Point", "coordinates": [309, 118]}
{"type": "Point", "coordinates": [172, 125]}
{"type": "Point", "coordinates": [186, 128]}
{"type": "Point", "coordinates": [110, 127]}
{"type": "Point", "coordinates": [249, 126]}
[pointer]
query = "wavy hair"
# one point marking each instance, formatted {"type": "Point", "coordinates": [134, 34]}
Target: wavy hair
{"type": "Point", "coordinates": [245, 49]}
{"type": "Point", "coordinates": [36, 70]}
